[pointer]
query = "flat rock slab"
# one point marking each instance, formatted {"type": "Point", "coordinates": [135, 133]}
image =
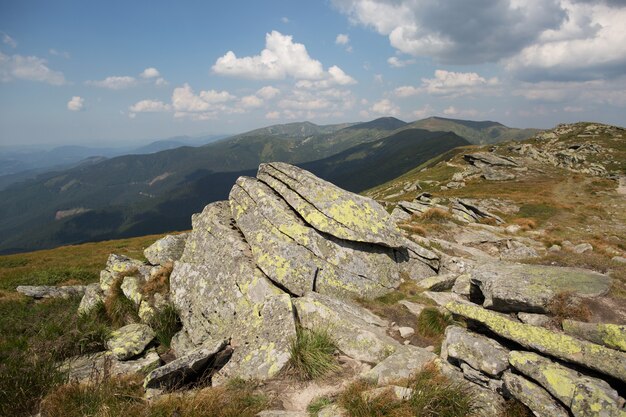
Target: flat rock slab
{"type": "Point", "coordinates": [129, 341]}
{"type": "Point", "coordinates": [86, 367]}
{"type": "Point", "coordinates": [438, 283]}
{"type": "Point", "coordinates": [478, 351]}
{"type": "Point", "coordinates": [609, 335]}
{"type": "Point", "coordinates": [167, 249]}
{"type": "Point", "coordinates": [181, 370]}
{"type": "Point", "coordinates": [510, 287]}
{"type": "Point", "coordinates": [533, 396]}
{"type": "Point", "coordinates": [406, 361]}
{"type": "Point", "coordinates": [357, 332]}
{"type": "Point", "coordinates": [561, 346]}
{"type": "Point", "coordinates": [51, 291]}
{"type": "Point", "coordinates": [584, 395]}
{"type": "Point", "coordinates": [486, 158]}
{"type": "Point", "coordinates": [330, 209]}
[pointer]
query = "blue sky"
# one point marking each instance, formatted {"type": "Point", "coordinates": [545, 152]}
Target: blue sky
{"type": "Point", "coordinates": [89, 72]}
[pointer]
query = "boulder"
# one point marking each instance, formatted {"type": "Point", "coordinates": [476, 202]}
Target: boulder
{"type": "Point", "coordinates": [533, 396]}
{"type": "Point", "coordinates": [582, 248]}
{"type": "Point", "coordinates": [443, 298]}
{"type": "Point", "coordinates": [480, 352]}
{"type": "Point", "coordinates": [358, 333]}
{"type": "Point", "coordinates": [88, 367]}
{"type": "Point", "coordinates": [93, 296]}
{"type": "Point", "coordinates": [462, 285]}
{"type": "Point", "coordinates": [584, 395]}
{"type": "Point", "coordinates": [299, 257]}
{"type": "Point", "coordinates": [530, 288]}
{"type": "Point", "coordinates": [330, 209]}
{"type": "Point", "coordinates": [131, 288]}
{"type": "Point", "coordinates": [167, 249]}
{"type": "Point", "coordinates": [333, 410]}
{"type": "Point", "coordinates": [51, 291]}
{"type": "Point", "coordinates": [473, 211]}
{"type": "Point", "coordinates": [485, 158]}
{"type": "Point", "coordinates": [406, 361]}
{"type": "Point", "coordinates": [186, 368]}
{"type": "Point", "coordinates": [599, 358]}
{"type": "Point", "coordinates": [534, 319]}
{"type": "Point", "coordinates": [221, 294]}
{"type": "Point", "coordinates": [496, 174]}
{"type": "Point", "coordinates": [414, 308]}
{"type": "Point", "coordinates": [130, 340]}
{"type": "Point", "coordinates": [406, 332]}
{"type": "Point", "coordinates": [610, 335]}
{"type": "Point", "coordinates": [438, 283]}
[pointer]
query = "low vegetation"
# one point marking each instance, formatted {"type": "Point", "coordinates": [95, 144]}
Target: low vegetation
{"type": "Point", "coordinates": [432, 322]}
{"type": "Point", "coordinates": [120, 309]}
{"type": "Point", "coordinates": [565, 306]}
{"type": "Point", "coordinates": [433, 395]}
{"type": "Point", "coordinates": [312, 354]}
{"type": "Point", "coordinates": [166, 323]}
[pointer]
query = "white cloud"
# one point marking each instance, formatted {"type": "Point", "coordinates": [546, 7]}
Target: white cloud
{"type": "Point", "coordinates": [281, 58]}
{"type": "Point", "coordinates": [573, 109]}
{"type": "Point", "coordinates": [114, 82]}
{"type": "Point", "coordinates": [29, 68]}
{"type": "Point", "coordinates": [160, 82]}
{"type": "Point", "coordinates": [251, 102]}
{"type": "Point", "coordinates": [333, 77]}
{"type": "Point", "coordinates": [184, 100]}
{"type": "Point", "coordinates": [407, 91]}
{"type": "Point", "coordinates": [576, 93]}
{"type": "Point", "coordinates": [268, 92]}
{"type": "Point", "coordinates": [149, 106]}
{"type": "Point", "coordinates": [399, 63]}
{"type": "Point", "coordinates": [213, 96]}
{"type": "Point", "coordinates": [449, 83]}
{"type": "Point", "coordinates": [342, 39]}
{"type": "Point", "coordinates": [150, 73]}
{"type": "Point", "coordinates": [385, 107]}
{"type": "Point", "coordinates": [453, 111]}
{"type": "Point", "coordinates": [7, 40]}
{"type": "Point", "coordinates": [284, 19]}
{"type": "Point", "coordinates": [76, 103]}
{"type": "Point", "coordinates": [273, 115]}
{"type": "Point", "coordinates": [424, 112]}
{"type": "Point", "coordinates": [63, 54]}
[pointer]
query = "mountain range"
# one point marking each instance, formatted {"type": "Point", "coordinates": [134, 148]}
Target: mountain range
{"type": "Point", "coordinates": [134, 195]}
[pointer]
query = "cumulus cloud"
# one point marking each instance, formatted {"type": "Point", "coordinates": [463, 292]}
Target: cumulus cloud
{"type": "Point", "coordinates": [342, 39]}
{"type": "Point", "coordinates": [273, 115]}
{"type": "Point", "coordinates": [333, 77]}
{"type": "Point", "coordinates": [55, 52]}
{"type": "Point", "coordinates": [602, 92]}
{"type": "Point", "coordinates": [424, 112]}
{"type": "Point", "coordinates": [29, 68]}
{"type": "Point", "coordinates": [150, 73]}
{"type": "Point", "coordinates": [76, 103]}
{"type": "Point", "coordinates": [281, 58]}
{"type": "Point", "coordinates": [268, 92]}
{"type": "Point", "coordinates": [453, 111]}
{"type": "Point", "coordinates": [149, 106]}
{"type": "Point", "coordinates": [449, 83]}
{"type": "Point", "coordinates": [114, 82]}
{"type": "Point", "coordinates": [385, 107]}
{"type": "Point", "coordinates": [251, 102]}
{"type": "Point", "coordinates": [396, 62]}
{"type": "Point", "coordinates": [7, 40]}
{"type": "Point", "coordinates": [442, 30]}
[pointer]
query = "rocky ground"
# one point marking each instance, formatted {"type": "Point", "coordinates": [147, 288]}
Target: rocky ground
{"type": "Point", "coordinates": [523, 244]}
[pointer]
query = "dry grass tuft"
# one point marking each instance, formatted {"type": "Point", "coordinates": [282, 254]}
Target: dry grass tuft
{"type": "Point", "coordinates": [525, 223]}
{"type": "Point", "coordinates": [565, 305]}
{"type": "Point", "coordinates": [434, 215]}
{"type": "Point", "coordinates": [160, 283]}
{"type": "Point", "coordinates": [120, 310]}
{"type": "Point", "coordinates": [312, 354]}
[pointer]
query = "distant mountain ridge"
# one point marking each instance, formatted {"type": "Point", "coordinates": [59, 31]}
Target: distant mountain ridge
{"type": "Point", "coordinates": [132, 195]}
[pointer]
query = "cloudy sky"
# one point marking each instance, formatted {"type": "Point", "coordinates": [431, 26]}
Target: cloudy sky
{"type": "Point", "coordinates": [92, 72]}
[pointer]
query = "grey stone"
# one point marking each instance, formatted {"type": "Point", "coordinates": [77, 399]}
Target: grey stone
{"type": "Point", "coordinates": [282, 413]}
{"type": "Point", "coordinates": [406, 332]}
{"type": "Point", "coordinates": [438, 283]}
{"type": "Point", "coordinates": [554, 248]}
{"type": "Point", "coordinates": [584, 395]}
{"type": "Point", "coordinates": [462, 285]}
{"type": "Point", "coordinates": [533, 396]}
{"type": "Point", "coordinates": [93, 296]}
{"type": "Point", "coordinates": [97, 365]}
{"type": "Point", "coordinates": [333, 410]}
{"type": "Point", "coordinates": [534, 319]}
{"type": "Point", "coordinates": [582, 248]}
{"type": "Point", "coordinates": [474, 211]}
{"type": "Point", "coordinates": [530, 288]}
{"type": "Point", "coordinates": [397, 392]}
{"type": "Point", "coordinates": [51, 291]}
{"type": "Point", "coordinates": [167, 249]}
{"type": "Point", "coordinates": [619, 259]}
{"type": "Point", "coordinates": [486, 158]}
{"type": "Point", "coordinates": [330, 209]}
{"type": "Point", "coordinates": [358, 333]}
{"type": "Point", "coordinates": [599, 358]}
{"type": "Point", "coordinates": [130, 340]}
{"type": "Point", "coordinates": [131, 287]}
{"type": "Point", "coordinates": [406, 361]}
{"type": "Point", "coordinates": [414, 308]}
{"type": "Point", "coordinates": [184, 369]}
{"type": "Point", "coordinates": [496, 174]}
{"type": "Point", "coordinates": [443, 298]}
{"type": "Point", "coordinates": [480, 352]}
{"type": "Point", "coordinates": [610, 335]}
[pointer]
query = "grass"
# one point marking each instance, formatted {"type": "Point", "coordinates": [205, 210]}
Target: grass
{"type": "Point", "coordinates": [165, 323]}
{"type": "Point", "coordinates": [317, 405]}
{"type": "Point", "coordinates": [432, 323]}
{"type": "Point", "coordinates": [433, 215]}
{"type": "Point", "coordinates": [514, 408]}
{"type": "Point", "coordinates": [565, 305]}
{"type": "Point", "coordinates": [158, 284]}
{"type": "Point", "coordinates": [540, 212]}
{"type": "Point", "coordinates": [433, 396]}
{"type": "Point", "coordinates": [120, 310]}
{"type": "Point", "coordinates": [111, 397]}
{"type": "Point", "coordinates": [312, 354]}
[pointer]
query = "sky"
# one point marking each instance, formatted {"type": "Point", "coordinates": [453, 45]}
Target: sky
{"type": "Point", "coordinates": [102, 72]}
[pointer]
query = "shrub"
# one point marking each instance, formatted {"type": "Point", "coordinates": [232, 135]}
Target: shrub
{"type": "Point", "coordinates": [165, 324]}
{"type": "Point", "coordinates": [312, 354]}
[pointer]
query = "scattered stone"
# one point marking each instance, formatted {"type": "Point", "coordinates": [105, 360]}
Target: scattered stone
{"type": "Point", "coordinates": [462, 285]}
{"type": "Point", "coordinates": [414, 308]}
{"type": "Point", "coordinates": [473, 211]}
{"type": "Point", "coordinates": [443, 298]}
{"type": "Point", "coordinates": [130, 340]}
{"type": "Point", "coordinates": [167, 249]}
{"type": "Point", "coordinates": [513, 228]}
{"type": "Point", "coordinates": [584, 395]}
{"type": "Point", "coordinates": [406, 332]}
{"type": "Point", "coordinates": [333, 410]}
{"type": "Point", "coordinates": [619, 259]}
{"type": "Point", "coordinates": [493, 174]}
{"type": "Point", "coordinates": [50, 291]}
{"type": "Point", "coordinates": [554, 248]}
{"type": "Point", "coordinates": [406, 361]}
{"type": "Point", "coordinates": [534, 319]}
{"type": "Point", "coordinates": [582, 248]}
{"type": "Point", "coordinates": [479, 352]}
{"type": "Point", "coordinates": [485, 158]}
{"type": "Point", "coordinates": [609, 335]}
{"type": "Point", "coordinates": [282, 413]}
{"type": "Point", "coordinates": [357, 332]}
{"type": "Point", "coordinates": [184, 369]}
{"type": "Point", "coordinates": [530, 288]}
{"type": "Point", "coordinates": [604, 360]}
{"type": "Point", "coordinates": [93, 296]}
{"type": "Point", "coordinates": [438, 283]}
{"type": "Point", "coordinates": [92, 366]}
{"type": "Point", "coordinates": [533, 396]}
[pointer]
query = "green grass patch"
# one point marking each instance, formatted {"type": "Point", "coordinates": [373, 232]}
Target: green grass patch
{"type": "Point", "coordinates": [318, 404]}
{"type": "Point", "coordinates": [432, 323]}
{"type": "Point", "coordinates": [165, 323]}
{"type": "Point", "coordinates": [540, 211]}
{"type": "Point", "coordinates": [312, 354]}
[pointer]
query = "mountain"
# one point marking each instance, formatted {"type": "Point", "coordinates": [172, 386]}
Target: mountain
{"type": "Point", "coordinates": [478, 133]}
{"type": "Point", "coordinates": [382, 123]}
{"type": "Point", "coordinates": [133, 195]}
